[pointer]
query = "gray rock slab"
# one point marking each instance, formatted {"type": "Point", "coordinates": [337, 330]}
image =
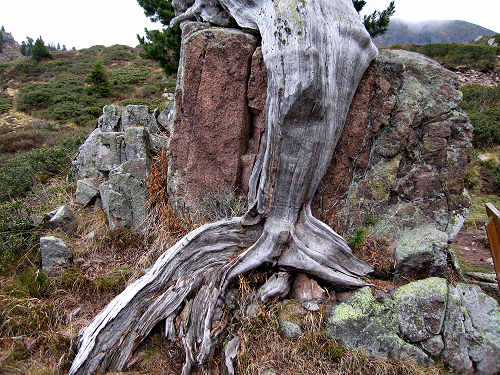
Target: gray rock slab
{"type": "Point", "coordinates": [460, 323]}
{"type": "Point", "coordinates": [110, 118]}
{"type": "Point", "coordinates": [421, 308]}
{"type": "Point", "coordinates": [55, 253]}
{"type": "Point", "coordinates": [362, 321]}
{"type": "Point", "coordinates": [434, 346]}
{"type": "Point", "coordinates": [138, 116]}
{"type": "Point", "coordinates": [62, 218]}
{"type": "Point", "coordinates": [86, 190]}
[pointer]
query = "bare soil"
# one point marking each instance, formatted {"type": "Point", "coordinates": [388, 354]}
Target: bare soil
{"type": "Point", "coordinates": [473, 249]}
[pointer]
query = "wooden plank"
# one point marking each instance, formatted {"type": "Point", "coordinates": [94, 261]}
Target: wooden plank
{"type": "Point", "coordinates": [493, 231]}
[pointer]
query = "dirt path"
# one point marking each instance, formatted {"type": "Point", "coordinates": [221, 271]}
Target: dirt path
{"type": "Point", "coordinates": [473, 250]}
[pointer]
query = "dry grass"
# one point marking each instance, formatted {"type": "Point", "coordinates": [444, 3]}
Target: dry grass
{"type": "Point", "coordinates": [378, 253]}
{"type": "Point", "coordinates": [264, 349]}
{"type": "Point", "coordinates": [162, 227]}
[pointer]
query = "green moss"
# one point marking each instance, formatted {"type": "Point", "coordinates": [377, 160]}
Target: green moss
{"type": "Point", "coordinates": [429, 285]}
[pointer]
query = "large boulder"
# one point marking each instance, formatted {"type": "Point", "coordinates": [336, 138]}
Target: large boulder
{"type": "Point", "coordinates": [114, 161]}
{"type": "Point", "coordinates": [422, 320]}
{"type": "Point", "coordinates": [399, 164]}
{"type": "Point", "coordinates": [212, 118]}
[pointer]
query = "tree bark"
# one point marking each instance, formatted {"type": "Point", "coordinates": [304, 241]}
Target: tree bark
{"type": "Point", "coordinates": [315, 52]}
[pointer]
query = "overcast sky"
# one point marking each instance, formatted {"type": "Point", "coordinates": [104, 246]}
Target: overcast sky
{"type": "Point", "coordinates": [84, 23]}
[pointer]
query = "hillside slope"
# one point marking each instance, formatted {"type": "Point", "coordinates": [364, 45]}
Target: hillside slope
{"type": "Point", "coordinates": [404, 32]}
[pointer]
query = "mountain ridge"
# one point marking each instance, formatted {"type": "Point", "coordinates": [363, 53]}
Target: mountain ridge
{"type": "Point", "coordinates": [435, 31]}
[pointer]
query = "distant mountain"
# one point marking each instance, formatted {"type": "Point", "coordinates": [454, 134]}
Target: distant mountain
{"type": "Point", "coordinates": [404, 32]}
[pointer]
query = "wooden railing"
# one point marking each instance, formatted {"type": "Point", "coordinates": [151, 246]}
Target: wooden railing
{"type": "Point", "coordinates": [493, 230]}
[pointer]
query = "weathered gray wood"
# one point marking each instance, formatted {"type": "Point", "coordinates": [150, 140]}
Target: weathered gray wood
{"type": "Point", "coordinates": [315, 53]}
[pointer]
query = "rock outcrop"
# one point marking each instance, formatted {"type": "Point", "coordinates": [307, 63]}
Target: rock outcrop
{"type": "Point", "coordinates": [10, 48]}
{"type": "Point", "coordinates": [399, 164]}
{"type": "Point", "coordinates": [112, 164]}
{"type": "Point", "coordinates": [423, 320]}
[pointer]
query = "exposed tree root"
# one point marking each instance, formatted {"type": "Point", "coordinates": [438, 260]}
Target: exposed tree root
{"type": "Point", "coordinates": [315, 53]}
{"type": "Point", "coordinates": [189, 280]}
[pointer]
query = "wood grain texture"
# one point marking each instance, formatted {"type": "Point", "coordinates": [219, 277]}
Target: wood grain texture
{"type": "Point", "coordinates": [315, 53]}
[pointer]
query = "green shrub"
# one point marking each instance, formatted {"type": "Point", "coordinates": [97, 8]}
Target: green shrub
{"type": "Point", "coordinates": [482, 104]}
{"type": "Point", "coordinates": [119, 52]}
{"type": "Point", "coordinates": [17, 233]}
{"type": "Point", "coordinates": [63, 100]}
{"type": "Point", "coordinates": [458, 55]}
{"type": "Point", "coordinates": [359, 238]}
{"type": "Point", "coordinates": [128, 76]}
{"type": "Point", "coordinates": [486, 127]}
{"type": "Point", "coordinates": [18, 174]}
{"type": "Point", "coordinates": [5, 103]}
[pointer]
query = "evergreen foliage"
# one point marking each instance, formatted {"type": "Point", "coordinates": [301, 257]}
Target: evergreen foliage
{"type": "Point", "coordinates": [40, 50]}
{"type": "Point", "coordinates": [1, 40]}
{"type": "Point", "coordinates": [99, 83]}
{"type": "Point", "coordinates": [27, 47]}
{"type": "Point", "coordinates": [162, 46]}
{"type": "Point", "coordinates": [377, 22]}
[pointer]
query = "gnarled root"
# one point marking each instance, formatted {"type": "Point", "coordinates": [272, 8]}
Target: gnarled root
{"type": "Point", "coordinates": [189, 280]}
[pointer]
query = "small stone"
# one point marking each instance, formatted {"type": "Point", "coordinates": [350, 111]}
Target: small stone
{"type": "Point", "coordinates": [62, 218]}
{"type": "Point", "coordinates": [290, 330]}
{"type": "Point", "coordinates": [86, 191]}
{"type": "Point", "coordinates": [252, 310]}
{"type": "Point", "coordinates": [90, 236]}
{"type": "Point", "coordinates": [311, 306]}
{"type": "Point", "coordinates": [55, 253]}
{"type": "Point", "coordinates": [307, 290]}
{"type": "Point", "coordinates": [434, 346]}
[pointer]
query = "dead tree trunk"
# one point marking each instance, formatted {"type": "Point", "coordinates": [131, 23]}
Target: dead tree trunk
{"type": "Point", "coordinates": [315, 53]}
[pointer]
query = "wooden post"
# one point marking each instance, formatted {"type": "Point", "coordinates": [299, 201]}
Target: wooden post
{"type": "Point", "coordinates": [493, 230]}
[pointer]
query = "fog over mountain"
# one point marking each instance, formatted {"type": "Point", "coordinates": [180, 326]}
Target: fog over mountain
{"type": "Point", "coordinates": [405, 32]}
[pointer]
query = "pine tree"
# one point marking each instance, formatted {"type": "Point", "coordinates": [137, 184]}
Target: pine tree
{"type": "Point", "coordinates": [162, 46]}
{"type": "Point", "coordinates": [98, 80]}
{"type": "Point", "coordinates": [40, 50]}
{"type": "Point", "coordinates": [1, 40]}
{"type": "Point", "coordinates": [377, 22]}
{"type": "Point", "coordinates": [27, 47]}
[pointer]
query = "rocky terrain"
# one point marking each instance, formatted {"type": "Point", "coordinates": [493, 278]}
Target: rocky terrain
{"type": "Point", "coordinates": [10, 48]}
{"type": "Point", "coordinates": [396, 189]}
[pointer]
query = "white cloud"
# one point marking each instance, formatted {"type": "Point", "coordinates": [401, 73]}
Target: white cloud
{"type": "Point", "coordinates": [75, 22]}
{"type": "Point", "coordinates": [84, 23]}
{"type": "Point", "coordinates": [482, 12]}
